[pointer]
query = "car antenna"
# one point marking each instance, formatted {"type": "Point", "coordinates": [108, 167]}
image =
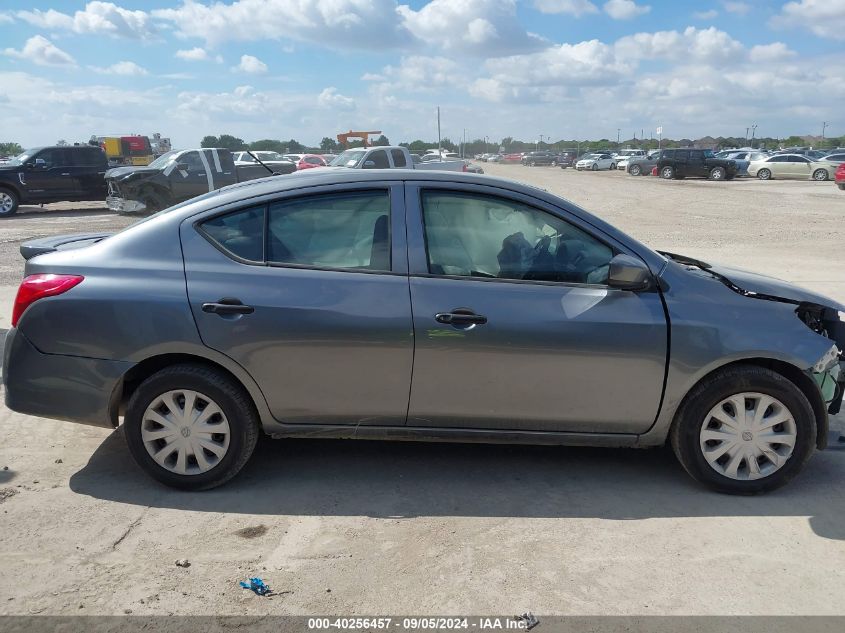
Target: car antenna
{"type": "Point", "coordinates": [258, 160]}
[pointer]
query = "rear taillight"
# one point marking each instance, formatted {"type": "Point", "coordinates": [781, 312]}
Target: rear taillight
{"type": "Point", "coordinates": [35, 287]}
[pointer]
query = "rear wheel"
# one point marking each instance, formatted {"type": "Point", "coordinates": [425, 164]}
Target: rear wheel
{"type": "Point", "coordinates": [191, 427]}
{"type": "Point", "coordinates": [764, 174]}
{"type": "Point", "coordinates": [635, 170]}
{"type": "Point", "coordinates": [717, 173]}
{"type": "Point", "coordinates": [8, 202]}
{"type": "Point", "coordinates": [820, 175]}
{"type": "Point", "coordinates": [744, 430]}
{"type": "Point", "coordinates": [612, 166]}
{"type": "Point", "coordinates": [667, 172]}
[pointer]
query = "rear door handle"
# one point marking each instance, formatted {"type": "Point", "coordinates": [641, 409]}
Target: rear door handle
{"type": "Point", "coordinates": [65, 174]}
{"type": "Point", "coordinates": [460, 317]}
{"type": "Point", "coordinates": [227, 305]}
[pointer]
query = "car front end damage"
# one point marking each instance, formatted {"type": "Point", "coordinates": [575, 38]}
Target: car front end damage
{"type": "Point", "coordinates": [829, 371]}
{"type": "Point", "coordinates": [117, 201]}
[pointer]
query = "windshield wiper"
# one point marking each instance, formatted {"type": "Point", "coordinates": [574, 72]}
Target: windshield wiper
{"type": "Point", "coordinates": [258, 160]}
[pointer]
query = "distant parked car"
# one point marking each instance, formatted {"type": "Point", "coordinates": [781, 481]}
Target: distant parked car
{"type": "Point", "coordinates": [543, 157]}
{"type": "Point", "coordinates": [691, 162]}
{"type": "Point", "coordinates": [595, 162]}
{"type": "Point", "coordinates": [741, 158]}
{"type": "Point", "coordinates": [275, 161]}
{"type": "Point", "coordinates": [310, 161]}
{"type": "Point", "coordinates": [837, 158]}
{"type": "Point", "coordinates": [624, 156]}
{"type": "Point", "coordinates": [513, 157]}
{"type": "Point", "coordinates": [643, 165]}
{"type": "Point", "coordinates": [840, 176]}
{"type": "Point", "coordinates": [494, 158]}
{"type": "Point", "coordinates": [791, 166]}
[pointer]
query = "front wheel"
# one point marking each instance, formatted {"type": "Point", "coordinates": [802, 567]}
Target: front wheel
{"type": "Point", "coordinates": [744, 430]}
{"type": "Point", "coordinates": [612, 166]}
{"type": "Point", "coordinates": [191, 427]}
{"type": "Point", "coordinates": [717, 173]}
{"type": "Point", "coordinates": [8, 203]}
{"type": "Point", "coordinates": [764, 174]}
{"type": "Point", "coordinates": [595, 167]}
{"type": "Point", "coordinates": [820, 175]}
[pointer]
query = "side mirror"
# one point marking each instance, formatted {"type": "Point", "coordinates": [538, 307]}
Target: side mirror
{"type": "Point", "coordinates": [182, 167]}
{"type": "Point", "coordinates": [629, 273]}
{"type": "Point", "coordinates": [38, 163]}
{"type": "Point", "coordinates": [369, 164]}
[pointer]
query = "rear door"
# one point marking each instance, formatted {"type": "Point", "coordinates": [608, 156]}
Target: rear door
{"type": "Point", "coordinates": [89, 171]}
{"type": "Point", "coordinates": [696, 165]}
{"type": "Point", "coordinates": [309, 293]}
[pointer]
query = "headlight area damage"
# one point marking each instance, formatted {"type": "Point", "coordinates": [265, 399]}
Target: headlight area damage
{"type": "Point", "coordinates": [828, 371]}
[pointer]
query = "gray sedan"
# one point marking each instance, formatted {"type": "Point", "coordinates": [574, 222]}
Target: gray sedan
{"type": "Point", "coordinates": [431, 306]}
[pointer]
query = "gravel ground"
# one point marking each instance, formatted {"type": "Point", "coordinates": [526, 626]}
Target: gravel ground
{"type": "Point", "coordinates": [388, 528]}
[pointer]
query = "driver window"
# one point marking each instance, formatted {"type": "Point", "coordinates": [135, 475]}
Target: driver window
{"type": "Point", "coordinates": [192, 160]}
{"type": "Point", "coordinates": [482, 236]}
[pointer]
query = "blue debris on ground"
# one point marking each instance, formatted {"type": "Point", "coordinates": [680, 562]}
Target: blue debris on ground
{"type": "Point", "coordinates": [257, 586]}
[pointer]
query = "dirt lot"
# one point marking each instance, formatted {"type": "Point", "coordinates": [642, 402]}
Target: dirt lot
{"type": "Point", "coordinates": [391, 528]}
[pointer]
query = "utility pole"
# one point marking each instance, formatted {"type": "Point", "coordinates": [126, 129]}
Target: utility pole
{"type": "Point", "coordinates": [753, 133]}
{"type": "Point", "coordinates": [824, 126]}
{"type": "Point", "coordinates": [618, 132]}
{"type": "Point", "coordinates": [439, 148]}
{"type": "Point", "coordinates": [464, 145]}
{"type": "Point", "coordinates": [746, 135]}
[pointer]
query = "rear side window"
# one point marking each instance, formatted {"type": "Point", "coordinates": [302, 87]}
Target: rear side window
{"type": "Point", "coordinates": [350, 230]}
{"type": "Point", "coordinates": [87, 156]}
{"type": "Point", "coordinates": [398, 157]}
{"type": "Point", "coordinates": [240, 233]}
{"type": "Point", "coordinates": [379, 159]}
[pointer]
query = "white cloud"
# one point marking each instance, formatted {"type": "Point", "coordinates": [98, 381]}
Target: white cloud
{"type": "Point", "coordinates": [127, 69]}
{"type": "Point", "coordinates": [195, 54]}
{"type": "Point", "coordinates": [337, 23]}
{"type": "Point", "coordinates": [417, 73]}
{"type": "Point", "coordinates": [97, 18]}
{"type": "Point", "coordinates": [39, 50]}
{"type": "Point", "coordinates": [5, 18]}
{"type": "Point", "coordinates": [625, 9]}
{"type": "Point", "coordinates": [711, 45]}
{"type": "Point", "coordinates": [570, 7]}
{"type": "Point", "coordinates": [331, 98]}
{"type": "Point", "coordinates": [776, 51]}
{"type": "Point", "coordinates": [825, 18]}
{"type": "Point", "coordinates": [251, 65]}
{"type": "Point", "coordinates": [738, 8]}
{"type": "Point", "coordinates": [705, 15]}
{"type": "Point", "coordinates": [482, 27]}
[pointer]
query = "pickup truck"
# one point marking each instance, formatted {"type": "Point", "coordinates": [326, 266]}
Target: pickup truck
{"type": "Point", "coordinates": [175, 177]}
{"type": "Point", "coordinates": [52, 174]}
{"type": "Point", "coordinates": [392, 157]}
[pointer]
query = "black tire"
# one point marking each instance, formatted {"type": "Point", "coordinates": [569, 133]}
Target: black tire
{"type": "Point", "coordinates": [686, 429]}
{"type": "Point", "coordinates": [841, 185]}
{"type": "Point", "coordinates": [595, 167]}
{"type": "Point", "coordinates": [612, 166]}
{"type": "Point", "coordinates": [667, 172]}
{"type": "Point", "coordinates": [820, 175]}
{"type": "Point", "coordinates": [635, 170]}
{"type": "Point", "coordinates": [9, 202]}
{"type": "Point", "coordinates": [764, 174]}
{"type": "Point", "coordinates": [718, 173]}
{"type": "Point", "coordinates": [232, 399]}
{"type": "Point", "coordinates": [532, 164]}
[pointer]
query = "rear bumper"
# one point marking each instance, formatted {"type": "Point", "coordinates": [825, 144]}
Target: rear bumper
{"type": "Point", "coordinates": [68, 388]}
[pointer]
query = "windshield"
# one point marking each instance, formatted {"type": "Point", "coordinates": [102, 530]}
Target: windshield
{"type": "Point", "coordinates": [21, 158]}
{"type": "Point", "coordinates": [350, 158]}
{"type": "Point", "coordinates": [163, 160]}
{"type": "Point", "coordinates": [590, 157]}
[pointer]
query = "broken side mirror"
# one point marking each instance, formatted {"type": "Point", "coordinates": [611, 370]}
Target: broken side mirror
{"type": "Point", "coordinates": [629, 273]}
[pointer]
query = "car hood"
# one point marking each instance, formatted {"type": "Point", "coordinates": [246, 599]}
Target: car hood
{"type": "Point", "coordinates": [758, 286]}
{"type": "Point", "coordinates": [120, 172]}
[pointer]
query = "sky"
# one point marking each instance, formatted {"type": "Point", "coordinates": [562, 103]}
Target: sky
{"type": "Point", "coordinates": [305, 69]}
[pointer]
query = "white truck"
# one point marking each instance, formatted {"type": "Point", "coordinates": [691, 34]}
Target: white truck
{"type": "Point", "coordinates": [392, 157]}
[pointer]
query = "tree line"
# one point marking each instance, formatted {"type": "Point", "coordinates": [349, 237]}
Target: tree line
{"type": "Point", "coordinates": [292, 146]}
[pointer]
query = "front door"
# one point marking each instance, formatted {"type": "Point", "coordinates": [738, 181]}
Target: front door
{"type": "Point", "coordinates": [515, 326]}
{"type": "Point", "coordinates": [193, 176]}
{"type": "Point", "coordinates": [799, 167]}
{"type": "Point", "coordinates": [305, 293]}
{"type": "Point", "coordinates": [51, 177]}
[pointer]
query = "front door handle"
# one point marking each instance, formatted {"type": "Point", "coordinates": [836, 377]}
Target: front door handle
{"type": "Point", "coordinates": [460, 317]}
{"type": "Point", "coordinates": [227, 305]}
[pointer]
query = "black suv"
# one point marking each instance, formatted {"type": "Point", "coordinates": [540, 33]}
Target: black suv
{"type": "Point", "coordinates": [541, 157]}
{"type": "Point", "coordinates": [52, 174]}
{"type": "Point", "coordinates": [680, 163]}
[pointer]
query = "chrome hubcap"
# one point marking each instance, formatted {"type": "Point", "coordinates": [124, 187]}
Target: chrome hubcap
{"type": "Point", "coordinates": [748, 436]}
{"type": "Point", "coordinates": [185, 432]}
{"type": "Point", "coordinates": [6, 202]}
